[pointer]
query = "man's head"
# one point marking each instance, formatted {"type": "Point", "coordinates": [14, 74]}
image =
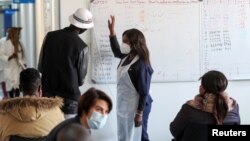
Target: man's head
{"type": "Point", "coordinates": [30, 82]}
{"type": "Point", "coordinates": [93, 108]}
{"type": "Point", "coordinates": [82, 19]}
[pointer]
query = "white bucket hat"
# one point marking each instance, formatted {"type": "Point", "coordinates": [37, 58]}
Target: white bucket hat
{"type": "Point", "coordinates": [82, 18]}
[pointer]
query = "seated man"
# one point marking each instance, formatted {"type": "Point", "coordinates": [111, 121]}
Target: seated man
{"type": "Point", "coordinates": [30, 116]}
{"type": "Point", "coordinates": [94, 107]}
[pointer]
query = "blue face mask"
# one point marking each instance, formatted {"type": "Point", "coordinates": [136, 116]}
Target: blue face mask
{"type": "Point", "coordinates": [97, 120]}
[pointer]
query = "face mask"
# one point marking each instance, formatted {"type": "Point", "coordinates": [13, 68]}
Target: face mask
{"type": "Point", "coordinates": [97, 120]}
{"type": "Point", "coordinates": [125, 48]}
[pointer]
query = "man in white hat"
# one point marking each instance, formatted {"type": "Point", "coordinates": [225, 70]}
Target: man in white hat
{"type": "Point", "coordinates": [63, 61]}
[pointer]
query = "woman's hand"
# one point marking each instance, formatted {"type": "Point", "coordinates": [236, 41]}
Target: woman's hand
{"type": "Point", "coordinates": [111, 25]}
{"type": "Point", "coordinates": [138, 119]}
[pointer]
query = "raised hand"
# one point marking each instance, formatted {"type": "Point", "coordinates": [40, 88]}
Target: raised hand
{"type": "Point", "coordinates": [111, 25]}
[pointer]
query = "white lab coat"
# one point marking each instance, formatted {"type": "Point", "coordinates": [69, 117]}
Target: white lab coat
{"type": "Point", "coordinates": [12, 68]}
{"type": "Point", "coordinates": [127, 103]}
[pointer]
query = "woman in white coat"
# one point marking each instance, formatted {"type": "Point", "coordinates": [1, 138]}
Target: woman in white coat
{"type": "Point", "coordinates": [12, 54]}
{"type": "Point", "coordinates": [134, 75]}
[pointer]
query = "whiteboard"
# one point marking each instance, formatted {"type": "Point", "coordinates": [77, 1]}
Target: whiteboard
{"type": "Point", "coordinates": [171, 29]}
{"type": "Point", "coordinates": [186, 38]}
{"type": "Point", "coordinates": [225, 42]}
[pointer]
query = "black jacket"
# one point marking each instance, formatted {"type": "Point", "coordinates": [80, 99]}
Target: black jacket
{"type": "Point", "coordinates": [63, 64]}
{"type": "Point", "coordinates": [191, 124]}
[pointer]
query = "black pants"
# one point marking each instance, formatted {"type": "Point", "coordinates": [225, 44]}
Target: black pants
{"type": "Point", "coordinates": [14, 93]}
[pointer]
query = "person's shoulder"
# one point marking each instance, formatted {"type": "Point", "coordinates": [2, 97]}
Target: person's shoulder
{"type": "Point", "coordinates": [142, 65]}
{"type": "Point", "coordinates": [68, 121]}
{"type": "Point", "coordinates": [53, 102]}
{"type": "Point", "coordinates": [80, 44]}
{"type": "Point", "coordinates": [188, 107]}
{"type": "Point", "coordinates": [55, 32]}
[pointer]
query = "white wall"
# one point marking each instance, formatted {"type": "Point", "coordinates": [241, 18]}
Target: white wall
{"type": "Point", "coordinates": [168, 97]}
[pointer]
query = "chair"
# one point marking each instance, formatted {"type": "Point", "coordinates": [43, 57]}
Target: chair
{"type": "Point", "coordinates": [18, 138]}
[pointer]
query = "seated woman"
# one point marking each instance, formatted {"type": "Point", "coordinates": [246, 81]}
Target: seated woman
{"type": "Point", "coordinates": [93, 109]}
{"type": "Point", "coordinates": [211, 106]}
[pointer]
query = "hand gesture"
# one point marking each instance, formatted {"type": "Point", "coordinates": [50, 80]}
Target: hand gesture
{"type": "Point", "coordinates": [111, 25]}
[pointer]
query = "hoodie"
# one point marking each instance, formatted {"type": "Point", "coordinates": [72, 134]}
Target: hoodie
{"type": "Point", "coordinates": [30, 117]}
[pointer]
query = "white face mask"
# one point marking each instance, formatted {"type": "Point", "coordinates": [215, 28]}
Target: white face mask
{"type": "Point", "coordinates": [97, 120]}
{"type": "Point", "coordinates": [125, 48]}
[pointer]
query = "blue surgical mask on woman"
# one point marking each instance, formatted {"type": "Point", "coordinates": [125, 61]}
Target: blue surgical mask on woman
{"type": "Point", "coordinates": [125, 48]}
{"type": "Point", "coordinates": [97, 120]}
